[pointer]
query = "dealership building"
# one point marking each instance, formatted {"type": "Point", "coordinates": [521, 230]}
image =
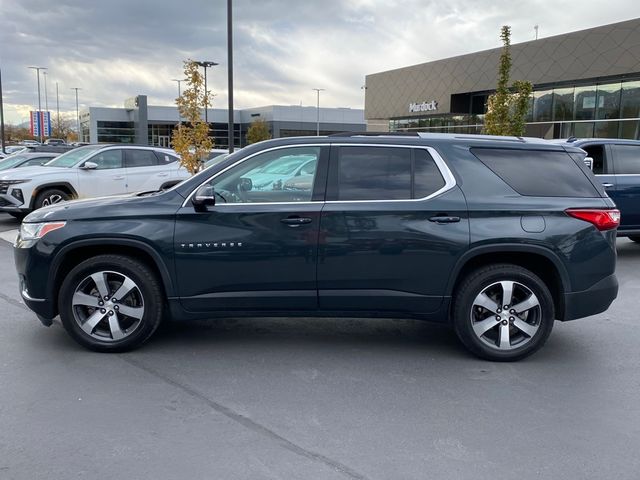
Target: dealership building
{"type": "Point", "coordinates": [585, 84]}
{"type": "Point", "coordinates": [145, 124]}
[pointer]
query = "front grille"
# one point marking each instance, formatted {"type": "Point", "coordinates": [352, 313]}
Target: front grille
{"type": "Point", "coordinates": [4, 186]}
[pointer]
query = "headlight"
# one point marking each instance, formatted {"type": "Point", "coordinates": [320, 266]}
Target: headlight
{"type": "Point", "coordinates": [34, 231]}
{"type": "Point", "coordinates": [14, 182]}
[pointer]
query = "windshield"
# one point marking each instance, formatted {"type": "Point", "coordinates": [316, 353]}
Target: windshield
{"type": "Point", "coordinates": [12, 160]}
{"type": "Point", "coordinates": [73, 157]}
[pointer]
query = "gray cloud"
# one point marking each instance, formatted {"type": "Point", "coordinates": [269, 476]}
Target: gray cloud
{"type": "Point", "coordinates": [115, 49]}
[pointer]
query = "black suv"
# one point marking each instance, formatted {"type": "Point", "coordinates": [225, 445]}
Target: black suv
{"type": "Point", "coordinates": [497, 235]}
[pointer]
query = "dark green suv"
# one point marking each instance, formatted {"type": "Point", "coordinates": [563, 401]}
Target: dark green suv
{"type": "Point", "coordinates": [497, 236]}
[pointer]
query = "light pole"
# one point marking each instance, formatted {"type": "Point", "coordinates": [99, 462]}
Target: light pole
{"type": "Point", "coordinates": [535, 27]}
{"type": "Point", "coordinates": [179, 82]}
{"type": "Point", "coordinates": [39, 117]}
{"type": "Point", "coordinates": [77, 111]}
{"type": "Point", "coordinates": [46, 98]}
{"type": "Point", "coordinates": [1, 116]}
{"type": "Point", "coordinates": [318, 90]}
{"type": "Point", "coordinates": [230, 72]}
{"type": "Point", "coordinates": [206, 64]}
{"type": "Point", "coordinates": [57, 109]}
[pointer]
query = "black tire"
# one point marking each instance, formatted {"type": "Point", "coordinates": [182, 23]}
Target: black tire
{"type": "Point", "coordinates": [635, 239]}
{"type": "Point", "coordinates": [147, 292]}
{"type": "Point", "coordinates": [466, 315]}
{"type": "Point", "coordinates": [50, 196]}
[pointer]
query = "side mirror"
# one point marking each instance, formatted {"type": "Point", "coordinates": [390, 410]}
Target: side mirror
{"type": "Point", "coordinates": [89, 166]}
{"type": "Point", "coordinates": [588, 161]}
{"type": "Point", "coordinates": [203, 198]}
{"type": "Point", "coordinates": [245, 184]}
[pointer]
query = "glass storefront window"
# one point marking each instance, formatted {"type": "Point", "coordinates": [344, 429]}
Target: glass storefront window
{"type": "Point", "coordinates": [585, 103]}
{"type": "Point", "coordinates": [583, 129]}
{"type": "Point", "coordinates": [630, 129]}
{"type": "Point", "coordinates": [630, 100]}
{"type": "Point", "coordinates": [563, 104]}
{"type": "Point", "coordinates": [608, 104]}
{"type": "Point", "coordinates": [606, 129]}
{"type": "Point", "coordinates": [542, 102]}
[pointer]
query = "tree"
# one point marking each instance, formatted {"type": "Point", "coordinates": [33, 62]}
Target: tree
{"type": "Point", "coordinates": [62, 127]}
{"type": "Point", "coordinates": [258, 131]}
{"type": "Point", "coordinates": [191, 138]}
{"type": "Point", "coordinates": [507, 108]}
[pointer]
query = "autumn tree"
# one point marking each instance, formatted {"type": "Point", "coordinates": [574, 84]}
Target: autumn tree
{"type": "Point", "coordinates": [507, 108]}
{"type": "Point", "coordinates": [191, 137]}
{"type": "Point", "coordinates": [62, 127]}
{"type": "Point", "coordinates": [258, 131]}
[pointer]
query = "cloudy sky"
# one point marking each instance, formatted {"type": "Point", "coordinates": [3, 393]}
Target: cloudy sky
{"type": "Point", "coordinates": [114, 49]}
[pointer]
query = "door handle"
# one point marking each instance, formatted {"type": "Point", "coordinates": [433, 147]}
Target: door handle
{"type": "Point", "coordinates": [163, 174]}
{"type": "Point", "coordinates": [444, 219]}
{"type": "Point", "coordinates": [607, 185]}
{"type": "Point", "coordinates": [119, 177]}
{"type": "Point", "coordinates": [295, 221]}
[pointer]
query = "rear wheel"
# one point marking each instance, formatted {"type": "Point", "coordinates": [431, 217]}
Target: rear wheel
{"type": "Point", "coordinates": [503, 312]}
{"type": "Point", "coordinates": [635, 238]}
{"type": "Point", "coordinates": [111, 303]}
{"type": "Point", "coordinates": [50, 196]}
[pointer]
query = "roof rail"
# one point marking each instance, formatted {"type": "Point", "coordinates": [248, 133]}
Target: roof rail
{"type": "Point", "coordinates": [494, 138]}
{"type": "Point", "coordinates": [374, 134]}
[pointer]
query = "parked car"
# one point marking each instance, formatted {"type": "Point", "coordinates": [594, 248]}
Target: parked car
{"type": "Point", "coordinates": [11, 149]}
{"type": "Point", "coordinates": [30, 143]}
{"type": "Point", "coordinates": [28, 159]}
{"type": "Point", "coordinates": [616, 164]}
{"type": "Point", "coordinates": [54, 141]}
{"type": "Point", "coordinates": [86, 172]}
{"type": "Point", "coordinates": [449, 228]}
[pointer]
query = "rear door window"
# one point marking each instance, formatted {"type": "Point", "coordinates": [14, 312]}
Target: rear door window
{"type": "Point", "coordinates": [140, 158]}
{"type": "Point", "coordinates": [384, 173]}
{"type": "Point", "coordinates": [538, 173]}
{"type": "Point", "coordinates": [627, 159]}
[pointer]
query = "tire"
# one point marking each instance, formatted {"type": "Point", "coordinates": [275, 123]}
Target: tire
{"type": "Point", "coordinates": [96, 320]}
{"type": "Point", "coordinates": [475, 317]}
{"type": "Point", "coordinates": [635, 238]}
{"type": "Point", "coordinates": [50, 196]}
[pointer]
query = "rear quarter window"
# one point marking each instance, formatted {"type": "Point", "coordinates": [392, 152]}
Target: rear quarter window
{"type": "Point", "coordinates": [538, 173]}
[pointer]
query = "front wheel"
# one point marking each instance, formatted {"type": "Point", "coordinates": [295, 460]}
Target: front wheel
{"type": "Point", "coordinates": [111, 303]}
{"type": "Point", "coordinates": [49, 197]}
{"type": "Point", "coordinates": [503, 312]}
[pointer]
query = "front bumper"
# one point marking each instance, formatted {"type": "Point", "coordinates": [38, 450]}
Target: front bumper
{"type": "Point", "coordinates": [9, 203]}
{"type": "Point", "coordinates": [592, 301]}
{"type": "Point", "coordinates": [33, 295]}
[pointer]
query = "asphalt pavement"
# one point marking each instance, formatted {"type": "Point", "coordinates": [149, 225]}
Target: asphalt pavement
{"type": "Point", "coordinates": [319, 399]}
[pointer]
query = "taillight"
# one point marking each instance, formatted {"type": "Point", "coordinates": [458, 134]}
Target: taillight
{"type": "Point", "coordinates": [601, 218]}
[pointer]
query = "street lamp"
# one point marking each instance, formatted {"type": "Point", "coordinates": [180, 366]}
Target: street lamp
{"type": "Point", "coordinates": [77, 111]}
{"type": "Point", "coordinates": [37, 69]}
{"type": "Point", "coordinates": [179, 82]}
{"type": "Point", "coordinates": [1, 117]}
{"type": "Point", "coordinates": [46, 98]}
{"type": "Point", "coordinates": [206, 64]}
{"type": "Point", "coordinates": [318, 90]}
{"type": "Point", "coordinates": [230, 74]}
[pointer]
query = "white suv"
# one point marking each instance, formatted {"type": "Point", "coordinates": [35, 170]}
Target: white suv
{"type": "Point", "coordinates": [91, 171]}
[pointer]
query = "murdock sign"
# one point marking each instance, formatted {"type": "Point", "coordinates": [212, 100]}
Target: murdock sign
{"type": "Point", "coordinates": [424, 106]}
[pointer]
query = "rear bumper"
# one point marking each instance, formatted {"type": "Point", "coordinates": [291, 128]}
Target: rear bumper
{"type": "Point", "coordinates": [592, 301]}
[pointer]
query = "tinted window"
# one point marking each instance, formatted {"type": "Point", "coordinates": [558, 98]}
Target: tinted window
{"type": "Point", "coordinates": [374, 173]}
{"type": "Point", "coordinates": [384, 173]}
{"type": "Point", "coordinates": [165, 158]}
{"type": "Point", "coordinates": [538, 173]}
{"type": "Point", "coordinates": [273, 176]}
{"type": "Point", "coordinates": [107, 159]}
{"type": "Point", "coordinates": [140, 158]}
{"type": "Point", "coordinates": [627, 158]}
{"type": "Point", "coordinates": [428, 178]}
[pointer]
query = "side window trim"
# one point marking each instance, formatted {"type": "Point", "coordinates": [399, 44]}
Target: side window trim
{"type": "Point", "coordinates": [332, 185]}
{"type": "Point", "coordinates": [322, 164]}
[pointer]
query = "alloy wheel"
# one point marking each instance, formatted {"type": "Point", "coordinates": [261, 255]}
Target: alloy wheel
{"type": "Point", "coordinates": [108, 306]}
{"type": "Point", "coordinates": [52, 199]}
{"type": "Point", "coordinates": [506, 315]}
